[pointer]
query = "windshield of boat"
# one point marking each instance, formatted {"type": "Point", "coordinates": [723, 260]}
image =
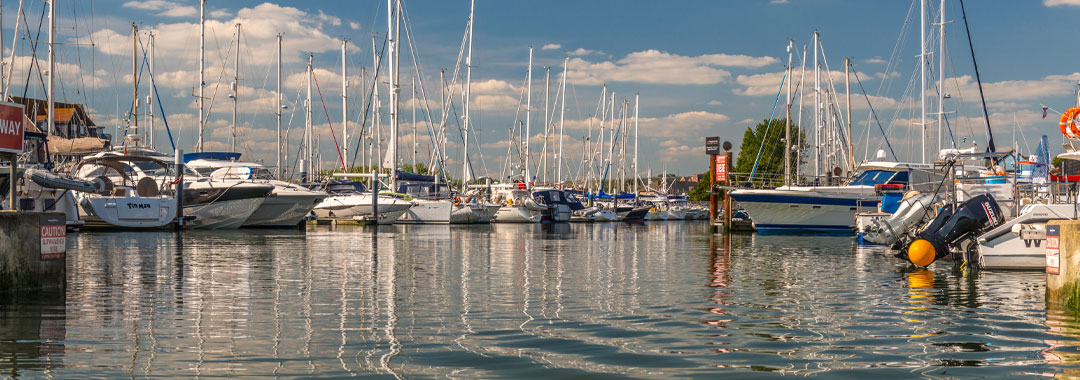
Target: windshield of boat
{"type": "Point", "coordinates": [879, 177]}
{"type": "Point", "coordinates": [150, 168]}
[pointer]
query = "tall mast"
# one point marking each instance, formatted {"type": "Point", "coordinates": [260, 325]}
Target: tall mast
{"type": "Point", "coordinates": [202, 68]}
{"type": "Point", "coordinates": [51, 122]}
{"type": "Point", "coordinates": [307, 124]}
{"type": "Point", "coordinates": [466, 175]}
{"type": "Point", "coordinates": [416, 103]}
{"type": "Point", "coordinates": [344, 101]}
{"type": "Point", "coordinates": [787, 120]}
{"type": "Point", "coordinates": [817, 110]}
{"type": "Point", "coordinates": [134, 77]}
{"type": "Point", "coordinates": [392, 18]}
{"type": "Point", "coordinates": [636, 98]}
{"type": "Point", "coordinates": [153, 87]}
{"type": "Point", "coordinates": [847, 93]}
{"type": "Point", "coordinates": [528, 117]}
{"type": "Point", "coordinates": [547, 122]}
{"type": "Point", "coordinates": [941, 77]}
{"type": "Point", "coordinates": [562, 123]}
{"type": "Point", "coordinates": [280, 169]}
{"type": "Point", "coordinates": [922, 73]}
{"type": "Point", "coordinates": [235, 88]}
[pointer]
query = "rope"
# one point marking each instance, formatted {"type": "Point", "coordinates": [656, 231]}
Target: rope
{"type": "Point", "coordinates": [769, 126]}
{"type": "Point", "coordinates": [328, 122]}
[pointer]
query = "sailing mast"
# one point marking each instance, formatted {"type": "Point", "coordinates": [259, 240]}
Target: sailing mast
{"type": "Point", "coordinates": [817, 110]}
{"type": "Point", "coordinates": [787, 120]}
{"type": "Point", "coordinates": [153, 88]}
{"type": "Point", "coordinates": [307, 170]}
{"type": "Point", "coordinates": [394, 19]}
{"type": "Point", "coordinates": [344, 101]}
{"type": "Point", "coordinates": [528, 119]}
{"type": "Point", "coordinates": [562, 124]}
{"type": "Point", "coordinates": [922, 73]}
{"type": "Point", "coordinates": [202, 68]}
{"type": "Point", "coordinates": [51, 122]}
{"type": "Point", "coordinates": [235, 88]}
{"type": "Point", "coordinates": [547, 123]}
{"type": "Point", "coordinates": [941, 77]}
{"type": "Point", "coordinates": [636, 98]}
{"type": "Point", "coordinates": [466, 175]}
{"type": "Point", "coordinates": [134, 78]}
{"type": "Point", "coordinates": [280, 169]}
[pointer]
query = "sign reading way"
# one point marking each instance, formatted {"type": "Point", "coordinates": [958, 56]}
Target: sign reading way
{"type": "Point", "coordinates": [11, 128]}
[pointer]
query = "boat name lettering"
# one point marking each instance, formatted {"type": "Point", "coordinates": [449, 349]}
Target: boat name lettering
{"type": "Point", "coordinates": [138, 205]}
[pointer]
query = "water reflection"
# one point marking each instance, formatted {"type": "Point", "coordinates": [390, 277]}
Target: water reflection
{"type": "Point", "coordinates": [654, 300]}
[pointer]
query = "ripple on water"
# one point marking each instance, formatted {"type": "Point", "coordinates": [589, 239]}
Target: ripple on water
{"type": "Point", "coordinates": [524, 301]}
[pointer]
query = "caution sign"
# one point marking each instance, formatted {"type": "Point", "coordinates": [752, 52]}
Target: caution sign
{"type": "Point", "coordinates": [721, 168]}
{"type": "Point", "coordinates": [53, 237]}
{"type": "Point", "coordinates": [1053, 253]}
{"type": "Point", "coordinates": [11, 127]}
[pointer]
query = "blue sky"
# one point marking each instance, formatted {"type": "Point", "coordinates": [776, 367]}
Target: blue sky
{"type": "Point", "coordinates": [702, 68]}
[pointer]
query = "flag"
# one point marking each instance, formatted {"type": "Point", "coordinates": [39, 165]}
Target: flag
{"type": "Point", "coordinates": [1040, 174]}
{"type": "Point", "coordinates": [1044, 111]}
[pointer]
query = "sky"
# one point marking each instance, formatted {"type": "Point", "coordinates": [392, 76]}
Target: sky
{"type": "Point", "coordinates": [701, 68]}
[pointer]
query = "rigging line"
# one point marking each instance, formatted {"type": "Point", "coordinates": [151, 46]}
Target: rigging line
{"type": "Point", "coordinates": [873, 114]}
{"type": "Point", "coordinates": [768, 126]}
{"type": "Point", "coordinates": [33, 54]}
{"type": "Point", "coordinates": [418, 67]}
{"type": "Point", "coordinates": [986, 114]}
{"type": "Point", "coordinates": [217, 83]}
{"type": "Point", "coordinates": [370, 95]}
{"type": "Point", "coordinates": [329, 123]}
{"type": "Point", "coordinates": [153, 85]}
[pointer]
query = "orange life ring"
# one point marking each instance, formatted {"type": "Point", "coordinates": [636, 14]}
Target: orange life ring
{"type": "Point", "coordinates": [1067, 124]}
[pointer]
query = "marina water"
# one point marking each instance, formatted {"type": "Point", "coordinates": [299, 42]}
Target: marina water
{"type": "Point", "coordinates": [659, 300]}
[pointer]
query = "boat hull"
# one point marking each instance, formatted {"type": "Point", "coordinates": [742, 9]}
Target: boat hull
{"type": "Point", "coordinates": [781, 210]}
{"type": "Point", "coordinates": [428, 211]}
{"type": "Point", "coordinates": [516, 214]}
{"type": "Point", "coordinates": [283, 210]}
{"type": "Point", "coordinates": [127, 213]}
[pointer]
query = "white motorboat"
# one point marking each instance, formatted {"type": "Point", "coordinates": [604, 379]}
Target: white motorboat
{"type": "Point", "coordinates": [428, 211]}
{"type": "Point", "coordinates": [516, 206]}
{"type": "Point", "coordinates": [830, 208]}
{"type": "Point", "coordinates": [35, 197]}
{"type": "Point", "coordinates": [589, 214]}
{"type": "Point", "coordinates": [431, 199]}
{"type": "Point", "coordinates": [350, 200]}
{"type": "Point", "coordinates": [215, 203]}
{"type": "Point", "coordinates": [1019, 243]}
{"type": "Point", "coordinates": [287, 205]}
{"type": "Point", "coordinates": [121, 201]}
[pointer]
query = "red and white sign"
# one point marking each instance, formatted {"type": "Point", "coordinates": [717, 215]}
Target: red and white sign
{"type": "Point", "coordinates": [1053, 253]}
{"type": "Point", "coordinates": [721, 168]}
{"type": "Point", "coordinates": [53, 237]}
{"type": "Point", "coordinates": [11, 127]}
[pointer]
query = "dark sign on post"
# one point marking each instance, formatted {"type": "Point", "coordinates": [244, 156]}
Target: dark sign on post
{"type": "Point", "coordinates": [712, 145]}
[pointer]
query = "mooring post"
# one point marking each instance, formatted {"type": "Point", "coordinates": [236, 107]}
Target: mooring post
{"type": "Point", "coordinates": [712, 191]}
{"type": "Point", "coordinates": [179, 163]}
{"type": "Point", "coordinates": [12, 197]}
{"type": "Point", "coordinates": [727, 199]}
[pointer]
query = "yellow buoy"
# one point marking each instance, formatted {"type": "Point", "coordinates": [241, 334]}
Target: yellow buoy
{"type": "Point", "coordinates": [921, 253]}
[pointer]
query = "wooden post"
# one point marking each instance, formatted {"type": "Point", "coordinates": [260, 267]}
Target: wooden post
{"type": "Point", "coordinates": [12, 198]}
{"type": "Point", "coordinates": [727, 198]}
{"type": "Point", "coordinates": [712, 189]}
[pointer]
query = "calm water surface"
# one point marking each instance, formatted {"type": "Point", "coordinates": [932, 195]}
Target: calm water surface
{"type": "Point", "coordinates": [664, 300]}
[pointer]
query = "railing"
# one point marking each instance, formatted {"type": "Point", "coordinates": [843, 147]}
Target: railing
{"type": "Point", "coordinates": [771, 180]}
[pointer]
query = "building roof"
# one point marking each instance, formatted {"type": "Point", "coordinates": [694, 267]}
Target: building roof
{"type": "Point", "coordinates": [36, 109]}
{"type": "Point", "coordinates": [63, 115]}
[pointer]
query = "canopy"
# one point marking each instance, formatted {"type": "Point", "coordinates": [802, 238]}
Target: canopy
{"type": "Point", "coordinates": [223, 156]}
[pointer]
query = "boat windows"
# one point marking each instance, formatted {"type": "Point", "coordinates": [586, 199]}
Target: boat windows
{"type": "Point", "coordinates": [876, 177]}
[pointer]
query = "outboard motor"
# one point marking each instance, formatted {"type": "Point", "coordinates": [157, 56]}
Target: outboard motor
{"type": "Point", "coordinates": [913, 211]}
{"type": "Point", "coordinates": [949, 230]}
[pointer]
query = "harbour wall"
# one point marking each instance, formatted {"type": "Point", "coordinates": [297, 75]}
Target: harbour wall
{"type": "Point", "coordinates": [32, 256]}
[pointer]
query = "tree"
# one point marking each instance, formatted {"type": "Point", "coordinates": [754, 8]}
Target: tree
{"type": "Point", "coordinates": [766, 138]}
{"type": "Point", "coordinates": [701, 191]}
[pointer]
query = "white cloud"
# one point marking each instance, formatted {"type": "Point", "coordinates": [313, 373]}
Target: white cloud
{"type": "Point", "coordinates": [219, 13]}
{"type": "Point", "coordinates": [583, 51]}
{"type": "Point", "coordinates": [654, 66]}
{"type": "Point", "coordinates": [1054, 3]}
{"type": "Point", "coordinates": [551, 47]}
{"type": "Point", "coordinates": [1049, 87]}
{"type": "Point", "coordinates": [354, 25]}
{"type": "Point", "coordinates": [715, 103]}
{"type": "Point", "coordinates": [769, 83]}
{"type": "Point", "coordinates": [691, 123]}
{"type": "Point", "coordinates": [875, 60]}
{"type": "Point", "coordinates": [164, 8]}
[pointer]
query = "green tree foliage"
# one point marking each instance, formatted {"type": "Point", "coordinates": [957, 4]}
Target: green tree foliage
{"type": "Point", "coordinates": [768, 138]}
{"type": "Point", "coordinates": [701, 191]}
